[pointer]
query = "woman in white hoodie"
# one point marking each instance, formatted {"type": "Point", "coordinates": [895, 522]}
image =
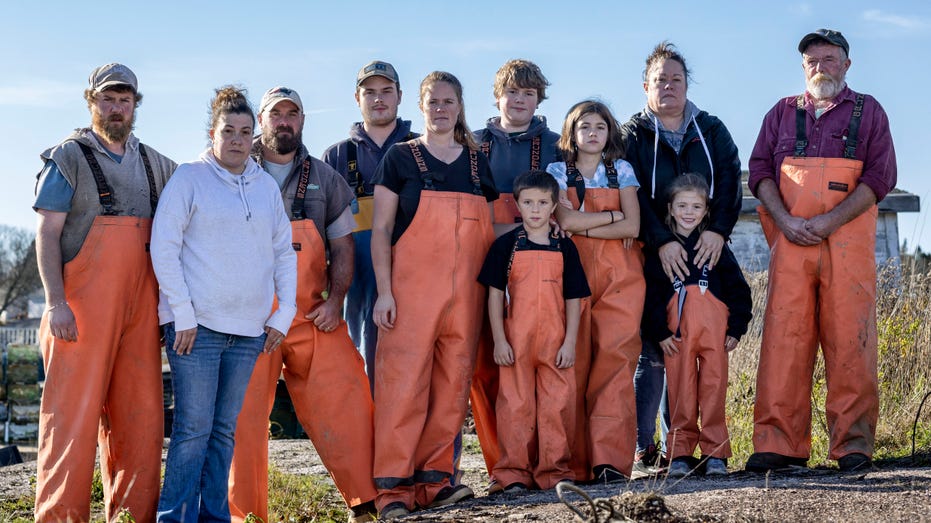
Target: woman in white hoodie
{"type": "Point", "coordinates": [221, 249]}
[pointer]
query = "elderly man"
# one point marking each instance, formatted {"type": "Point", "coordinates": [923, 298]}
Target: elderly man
{"type": "Point", "coordinates": [378, 93]}
{"type": "Point", "coordinates": [99, 335]}
{"type": "Point", "coordinates": [324, 373]}
{"type": "Point", "coordinates": [821, 163]}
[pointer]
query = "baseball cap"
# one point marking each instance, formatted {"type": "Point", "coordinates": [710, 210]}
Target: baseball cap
{"type": "Point", "coordinates": [278, 94]}
{"type": "Point", "coordinates": [377, 68]}
{"type": "Point", "coordinates": [111, 75]}
{"type": "Point", "coordinates": [825, 35]}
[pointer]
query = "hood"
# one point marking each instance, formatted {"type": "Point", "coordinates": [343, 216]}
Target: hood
{"type": "Point", "coordinates": [402, 128]}
{"type": "Point", "coordinates": [537, 127]}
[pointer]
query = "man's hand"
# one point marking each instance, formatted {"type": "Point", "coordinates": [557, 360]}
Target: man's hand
{"type": "Point", "coordinates": [674, 259]}
{"type": "Point", "coordinates": [62, 323]}
{"type": "Point", "coordinates": [184, 341]}
{"type": "Point", "coordinates": [709, 248]}
{"type": "Point", "coordinates": [273, 339]}
{"type": "Point", "coordinates": [797, 231]}
{"type": "Point", "coordinates": [326, 317]}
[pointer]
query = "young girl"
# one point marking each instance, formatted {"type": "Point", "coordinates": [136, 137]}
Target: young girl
{"type": "Point", "coordinates": [696, 322]}
{"type": "Point", "coordinates": [598, 191]}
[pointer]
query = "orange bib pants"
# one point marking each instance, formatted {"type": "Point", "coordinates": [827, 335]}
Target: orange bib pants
{"type": "Point", "coordinates": [325, 376]}
{"type": "Point", "coordinates": [106, 387]}
{"type": "Point", "coordinates": [822, 294]}
{"type": "Point", "coordinates": [425, 363]}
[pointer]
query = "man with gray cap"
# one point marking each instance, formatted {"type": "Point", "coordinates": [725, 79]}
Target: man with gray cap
{"type": "Point", "coordinates": [323, 371]}
{"type": "Point", "coordinates": [378, 93]}
{"type": "Point", "coordinates": [95, 198]}
{"type": "Point", "coordinates": [821, 163]}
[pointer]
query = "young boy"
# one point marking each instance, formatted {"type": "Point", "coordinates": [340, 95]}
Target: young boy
{"type": "Point", "coordinates": [536, 283]}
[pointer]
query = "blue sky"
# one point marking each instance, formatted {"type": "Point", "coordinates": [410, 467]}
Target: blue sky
{"type": "Point", "coordinates": [743, 56]}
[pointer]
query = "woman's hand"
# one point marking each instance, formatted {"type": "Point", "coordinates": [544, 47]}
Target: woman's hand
{"type": "Point", "coordinates": [184, 341]}
{"type": "Point", "coordinates": [670, 346]}
{"type": "Point", "coordinates": [673, 258]}
{"type": "Point", "coordinates": [385, 312]}
{"type": "Point", "coordinates": [504, 354]}
{"type": "Point", "coordinates": [273, 339]}
{"type": "Point", "coordinates": [565, 358]}
{"type": "Point", "coordinates": [708, 249]}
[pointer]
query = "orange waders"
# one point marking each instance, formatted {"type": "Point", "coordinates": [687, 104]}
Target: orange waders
{"type": "Point", "coordinates": [825, 294]}
{"type": "Point", "coordinates": [697, 375]}
{"type": "Point", "coordinates": [609, 341]}
{"type": "Point", "coordinates": [325, 376]}
{"type": "Point", "coordinates": [485, 381]}
{"type": "Point", "coordinates": [484, 391]}
{"type": "Point", "coordinates": [425, 363]}
{"type": "Point", "coordinates": [106, 387]}
{"type": "Point", "coordinates": [535, 406]}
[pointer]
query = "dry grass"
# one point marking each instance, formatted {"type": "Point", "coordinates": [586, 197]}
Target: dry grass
{"type": "Point", "coordinates": [904, 327]}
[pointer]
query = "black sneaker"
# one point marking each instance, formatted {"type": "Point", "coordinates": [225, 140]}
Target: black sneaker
{"type": "Point", "coordinates": [449, 495]}
{"type": "Point", "coordinates": [396, 509]}
{"type": "Point", "coordinates": [855, 462]}
{"type": "Point", "coordinates": [767, 461]}
{"type": "Point", "coordinates": [607, 474]}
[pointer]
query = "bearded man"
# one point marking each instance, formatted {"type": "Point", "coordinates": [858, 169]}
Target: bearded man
{"type": "Point", "coordinates": [323, 371]}
{"type": "Point", "coordinates": [96, 196]}
{"type": "Point", "coordinates": [821, 163]}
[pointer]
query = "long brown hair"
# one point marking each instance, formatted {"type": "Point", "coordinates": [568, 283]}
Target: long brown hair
{"type": "Point", "coordinates": [614, 147]}
{"type": "Point", "coordinates": [461, 132]}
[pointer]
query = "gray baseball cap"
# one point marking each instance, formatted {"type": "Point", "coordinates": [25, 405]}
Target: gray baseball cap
{"type": "Point", "coordinates": [279, 94]}
{"type": "Point", "coordinates": [111, 75]}
{"type": "Point", "coordinates": [377, 68]}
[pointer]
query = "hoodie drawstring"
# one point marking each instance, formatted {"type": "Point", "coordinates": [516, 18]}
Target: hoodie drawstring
{"type": "Point", "coordinates": [242, 196]}
{"type": "Point", "coordinates": [656, 153]}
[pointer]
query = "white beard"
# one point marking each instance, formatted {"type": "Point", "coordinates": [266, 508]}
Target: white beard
{"type": "Point", "coordinates": [823, 87]}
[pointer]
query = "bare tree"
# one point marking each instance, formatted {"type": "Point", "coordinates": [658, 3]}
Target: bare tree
{"type": "Point", "coordinates": [19, 272]}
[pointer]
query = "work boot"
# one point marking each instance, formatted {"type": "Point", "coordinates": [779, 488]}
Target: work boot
{"type": "Point", "coordinates": [679, 468]}
{"type": "Point", "coordinates": [449, 495]}
{"type": "Point", "coordinates": [394, 510]}
{"type": "Point", "coordinates": [767, 461]}
{"type": "Point", "coordinates": [607, 474]}
{"type": "Point", "coordinates": [855, 462]}
{"type": "Point", "coordinates": [715, 467]}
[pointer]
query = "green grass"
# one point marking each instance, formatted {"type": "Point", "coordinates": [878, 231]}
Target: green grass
{"type": "Point", "coordinates": [302, 499]}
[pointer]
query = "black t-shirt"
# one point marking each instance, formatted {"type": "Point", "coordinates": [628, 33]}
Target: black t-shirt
{"type": "Point", "coordinates": [494, 271]}
{"type": "Point", "coordinates": [399, 173]}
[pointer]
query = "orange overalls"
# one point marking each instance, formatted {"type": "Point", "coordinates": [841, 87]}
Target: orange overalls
{"type": "Point", "coordinates": [425, 363]}
{"type": "Point", "coordinates": [485, 381]}
{"type": "Point", "coordinates": [697, 375]}
{"type": "Point", "coordinates": [535, 406]}
{"type": "Point", "coordinates": [325, 376]}
{"type": "Point", "coordinates": [609, 340]}
{"type": "Point", "coordinates": [825, 294]}
{"type": "Point", "coordinates": [105, 388]}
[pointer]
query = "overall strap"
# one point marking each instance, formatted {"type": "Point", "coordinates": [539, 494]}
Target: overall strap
{"type": "Point", "coordinates": [535, 153]}
{"type": "Point", "coordinates": [574, 177]}
{"type": "Point", "coordinates": [801, 135]}
{"type": "Point", "coordinates": [150, 175]}
{"type": "Point", "coordinates": [485, 146]}
{"type": "Point", "coordinates": [352, 169]}
{"type": "Point", "coordinates": [425, 175]}
{"type": "Point", "coordinates": [611, 173]}
{"type": "Point", "coordinates": [297, 206]}
{"type": "Point", "coordinates": [103, 188]}
{"type": "Point", "coordinates": [850, 149]}
{"type": "Point", "coordinates": [520, 243]}
{"type": "Point", "coordinates": [473, 173]}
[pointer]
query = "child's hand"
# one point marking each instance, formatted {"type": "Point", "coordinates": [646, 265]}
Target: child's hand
{"type": "Point", "coordinates": [730, 343]}
{"type": "Point", "coordinates": [670, 346]}
{"type": "Point", "coordinates": [565, 358]}
{"type": "Point", "coordinates": [504, 354]}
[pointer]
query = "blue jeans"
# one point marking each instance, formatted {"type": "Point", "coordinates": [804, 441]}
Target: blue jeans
{"type": "Point", "coordinates": [209, 385]}
{"type": "Point", "coordinates": [360, 301]}
{"type": "Point", "coordinates": [650, 394]}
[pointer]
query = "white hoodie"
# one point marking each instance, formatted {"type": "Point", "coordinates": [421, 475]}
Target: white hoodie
{"type": "Point", "coordinates": [221, 250]}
